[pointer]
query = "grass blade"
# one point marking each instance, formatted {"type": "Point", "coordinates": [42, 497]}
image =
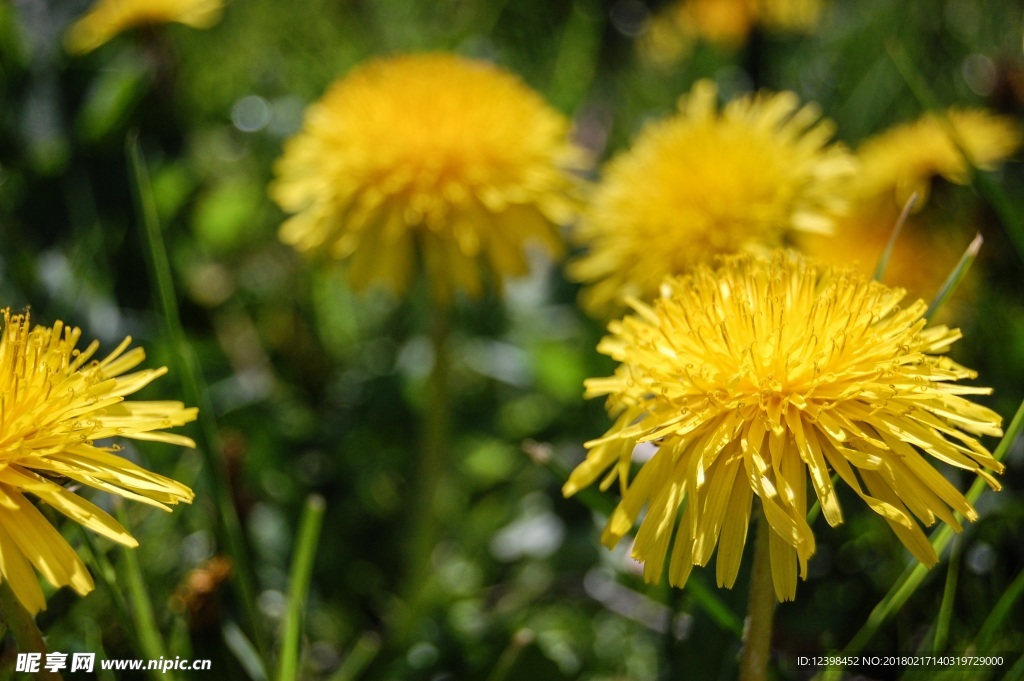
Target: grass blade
{"type": "Point", "coordinates": [243, 650]}
{"type": "Point", "coordinates": [229, 529]}
{"type": "Point", "coordinates": [1009, 216]}
{"type": "Point", "coordinates": [946, 606]}
{"type": "Point", "coordinates": [360, 657]}
{"type": "Point", "coordinates": [149, 637]}
{"type": "Point", "coordinates": [301, 572]}
{"type": "Point", "coordinates": [915, 573]}
{"type": "Point", "coordinates": [1003, 607]}
{"type": "Point", "coordinates": [883, 260]}
{"type": "Point", "coordinates": [956, 276]}
{"type": "Point", "coordinates": [104, 570]}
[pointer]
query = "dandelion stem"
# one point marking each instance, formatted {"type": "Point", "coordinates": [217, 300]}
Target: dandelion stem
{"type": "Point", "coordinates": [430, 472]}
{"type": "Point", "coordinates": [760, 611]}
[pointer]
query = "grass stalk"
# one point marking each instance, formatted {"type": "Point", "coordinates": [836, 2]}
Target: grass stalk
{"type": "Point", "coordinates": [106, 575]}
{"type": "Point", "coordinates": [956, 276]}
{"type": "Point", "coordinates": [883, 260]}
{"type": "Point", "coordinates": [298, 589]}
{"type": "Point", "coordinates": [915, 573]}
{"type": "Point", "coordinates": [229, 528]}
{"type": "Point", "coordinates": [243, 650]}
{"type": "Point", "coordinates": [150, 640]}
{"type": "Point", "coordinates": [1002, 609]}
{"type": "Point", "coordinates": [359, 658]}
{"type": "Point", "coordinates": [519, 641]}
{"type": "Point", "coordinates": [948, 596]}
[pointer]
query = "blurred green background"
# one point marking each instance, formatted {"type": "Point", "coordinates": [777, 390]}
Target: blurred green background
{"type": "Point", "coordinates": [317, 390]}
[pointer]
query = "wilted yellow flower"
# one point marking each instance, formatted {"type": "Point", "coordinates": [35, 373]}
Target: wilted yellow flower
{"type": "Point", "coordinates": [56, 404]}
{"type": "Point", "coordinates": [705, 183]}
{"type": "Point", "coordinates": [904, 159]}
{"type": "Point", "coordinates": [107, 18]}
{"type": "Point", "coordinates": [752, 378]}
{"type": "Point", "coordinates": [430, 157]}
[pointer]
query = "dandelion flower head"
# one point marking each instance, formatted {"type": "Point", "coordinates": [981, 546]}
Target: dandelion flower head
{"type": "Point", "coordinates": [754, 377]}
{"type": "Point", "coordinates": [108, 18]}
{"type": "Point", "coordinates": [706, 183]}
{"type": "Point", "coordinates": [904, 159]}
{"type": "Point", "coordinates": [56, 404]}
{"type": "Point", "coordinates": [430, 157]}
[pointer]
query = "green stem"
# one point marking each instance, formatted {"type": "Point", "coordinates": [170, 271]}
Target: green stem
{"type": "Point", "coordinates": [229, 528]}
{"type": "Point", "coordinates": [106, 575]}
{"type": "Point", "coordinates": [914, 574]}
{"type": "Point", "coordinates": [1003, 608]}
{"type": "Point", "coordinates": [948, 596]}
{"type": "Point", "coordinates": [301, 572]}
{"type": "Point", "coordinates": [883, 261]}
{"type": "Point", "coordinates": [760, 611]}
{"type": "Point", "coordinates": [360, 657]}
{"type": "Point", "coordinates": [519, 641]}
{"type": "Point", "coordinates": [150, 640]}
{"type": "Point", "coordinates": [430, 471]}
{"type": "Point", "coordinates": [956, 276]}
{"type": "Point", "coordinates": [22, 626]}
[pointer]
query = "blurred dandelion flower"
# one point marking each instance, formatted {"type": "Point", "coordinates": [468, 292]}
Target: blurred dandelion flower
{"type": "Point", "coordinates": [705, 183]}
{"type": "Point", "coordinates": [108, 18]}
{"type": "Point", "coordinates": [56, 402]}
{"type": "Point", "coordinates": [435, 157]}
{"type": "Point", "coordinates": [752, 378]}
{"type": "Point", "coordinates": [921, 259]}
{"type": "Point", "coordinates": [904, 159]}
{"type": "Point", "coordinates": [673, 32]}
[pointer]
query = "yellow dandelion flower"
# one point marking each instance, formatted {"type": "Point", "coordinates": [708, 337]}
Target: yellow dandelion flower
{"type": "Point", "coordinates": [796, 16]}
{"type": "Point", "coordinates": [752, 378]}
{"type": "Point", "coordinates": [56, 404]}
{"type": "Point", "coordinates": [673, 32]}
{"type": "Point", "coordinates": [705, 183]}
{"type": "Point", "coordinates": [904, 159]}
{"type": "Point", "coordinates": [726, 22]}
{"type": "Point", "coordinates": [108, 18]}
{"type": "Point", "coordinates": [429, 157]}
